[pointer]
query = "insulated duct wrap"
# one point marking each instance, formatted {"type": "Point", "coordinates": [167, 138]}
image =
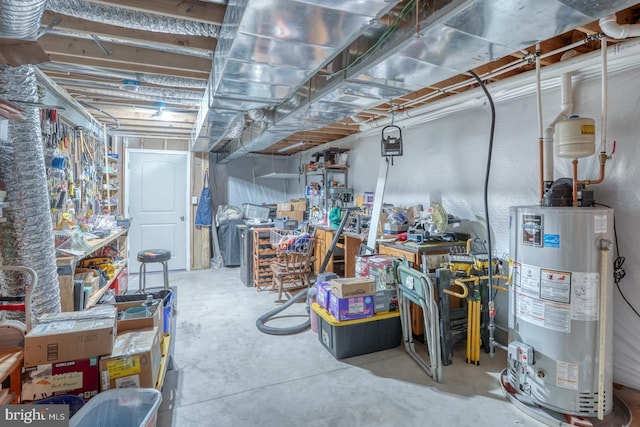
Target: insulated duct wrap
{"type": "Point", "coordinates": [236, 128]}
{"type": "Point", "coordinates": [28, 233]}
{"type": "Point", "coordinates": [140, 96]}
{"type": "Point", "coordinates": [20, 19]}
{"type": "Point", "coordinates": [133, 19]}
{"type": "Point", "coordinates": [172, 81]}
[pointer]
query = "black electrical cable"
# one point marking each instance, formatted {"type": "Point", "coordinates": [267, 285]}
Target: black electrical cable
{"type": "Point", "coordinates": [618, 271]}
{"type": "Point", "coordinates": [488, 172]}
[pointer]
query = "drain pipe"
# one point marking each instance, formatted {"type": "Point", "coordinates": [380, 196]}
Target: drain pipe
{"type": "Point", "coordinates": [28, 229]}
{"type": "Point", "coordinates": [609, 25]}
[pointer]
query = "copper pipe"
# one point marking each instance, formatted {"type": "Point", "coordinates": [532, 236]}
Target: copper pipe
{"type": "Point", "coordinates": [541, 153]}
{"type": "Point", "coordinates": [574, 164]}
{"type": "Point", "coordinates": [417, 24]}
{"type": "Point", "coordinates": [603, 159]}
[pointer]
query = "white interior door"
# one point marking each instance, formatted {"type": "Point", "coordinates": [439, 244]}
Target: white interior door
{"type": "Point", "coordinates": [157, 200]}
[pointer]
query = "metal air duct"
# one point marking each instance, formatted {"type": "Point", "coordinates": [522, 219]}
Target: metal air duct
{"type": "Point", "coordinates": [454, 37]}
{"type": "Point", "coordinates": [89, 70]}
{"type": "Point", "coordinates": [140, 96]}
{"type": "Point", "coordinates": [274, 46]}
{"type": "Point", "coordinates": [121, 17]}
{"type": "Point", "coordinates": [20, 19]}
{"type": "Point", "coordinates": [28, 232]}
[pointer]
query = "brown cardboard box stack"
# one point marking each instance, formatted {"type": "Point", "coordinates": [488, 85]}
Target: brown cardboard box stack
{"type": "Point", "coordinates": [69, 353]}
{"type": "Point", "coordinates": [61, 353]}
{"type": "Point", "coordinates": [294, 209]}
{"type": "Point", "coordinates": [134, 362]}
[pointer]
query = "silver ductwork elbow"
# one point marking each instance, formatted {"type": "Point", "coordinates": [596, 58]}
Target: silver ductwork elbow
{"type": "Point", "coordinates": [20, 19]}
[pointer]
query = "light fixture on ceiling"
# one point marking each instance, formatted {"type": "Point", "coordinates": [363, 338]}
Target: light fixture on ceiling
{"type": "Point", "coordinates": [291, 147]}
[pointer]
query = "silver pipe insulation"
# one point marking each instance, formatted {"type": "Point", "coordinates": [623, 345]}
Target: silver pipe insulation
{"type": "Point", "coordinates": [121, 17]}
{"type": "Point", "coordinates": [200, 53]}
{"type": "Point", "coordinates": [28, 231]}
{"type": "Point", "coordinates": [182, 82]}
{"type": "Point", "coordinates": [236, 128]}
{"type": "Point", "coordinates": [20, 19]}
{"type": "Point", "coordinates": [145, 90]}
{"type": "Point", "coordinates": [139, 96]}
{"type": "Point", "coordinates": [159, 80]}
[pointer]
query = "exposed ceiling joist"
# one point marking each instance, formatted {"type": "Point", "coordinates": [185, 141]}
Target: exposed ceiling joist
{"type": "Point", "coordinates": [70, 23]}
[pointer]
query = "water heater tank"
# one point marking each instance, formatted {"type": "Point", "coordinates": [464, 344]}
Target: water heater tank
{"type": "Point", "coordinates": [575, 137]}
{"type": "Point", "coordinates": [555, 314]}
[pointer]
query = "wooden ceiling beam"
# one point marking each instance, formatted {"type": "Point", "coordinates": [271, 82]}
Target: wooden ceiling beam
{"type": "Point", "coordinates": [70, 23]}
{"type": "Point", "coordinates": [89, 49]}
{"type": "Point", "coordinates": [192, 10]}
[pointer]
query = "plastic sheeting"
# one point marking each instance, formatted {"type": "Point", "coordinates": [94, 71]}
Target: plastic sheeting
{"type": "Point", "coordinates": [22, 173]}
{"type": "Point", "coordinates": [445, 159]}
{"type": "Point", "coordinates": [239, 182]}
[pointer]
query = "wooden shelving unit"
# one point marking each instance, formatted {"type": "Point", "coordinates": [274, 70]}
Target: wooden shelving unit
{"type": "Point", "coordinates": [66, 281]}
{"type": "Point", "coordinates": [263, 255]}
{"type": "Point", "coordinates": [11, 367]}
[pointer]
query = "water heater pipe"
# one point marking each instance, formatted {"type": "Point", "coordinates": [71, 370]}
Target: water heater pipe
{"type": "Point", "coordinates": [603, 155]}
{"type": "Point", "coordinates": [566, 109]}
{"type": "Point", "coordinates": [540, 126]}
{"type": "Point", "coordinates": [609, 25]}
{"type": "Point", "coordinates": [605, 90]}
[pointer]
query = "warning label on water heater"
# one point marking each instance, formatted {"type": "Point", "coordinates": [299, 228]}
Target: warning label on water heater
{"type": "Point", "coordinates": [567, 375]}
{"type": "Point", "coordinates": [585, 296]}
{"type": "Point", "coordinates": [542, 297]}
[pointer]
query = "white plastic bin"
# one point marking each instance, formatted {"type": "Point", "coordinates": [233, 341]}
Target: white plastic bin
{"type": "Point", "coordinates": [121, 407]}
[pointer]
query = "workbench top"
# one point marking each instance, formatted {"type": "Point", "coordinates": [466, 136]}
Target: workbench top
{"type": "Point", "coordinates": [424, 248]}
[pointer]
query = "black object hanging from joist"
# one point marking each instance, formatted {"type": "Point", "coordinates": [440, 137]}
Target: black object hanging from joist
{"type": "Point", "coordinates": [391, 141]}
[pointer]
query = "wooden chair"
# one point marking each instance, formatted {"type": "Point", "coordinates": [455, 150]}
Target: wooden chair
{"type": "Point", "coordinates": [292, 267]}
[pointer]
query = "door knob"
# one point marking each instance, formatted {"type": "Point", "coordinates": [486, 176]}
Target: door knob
{"type": "Point", "coordinates": [181, 218]}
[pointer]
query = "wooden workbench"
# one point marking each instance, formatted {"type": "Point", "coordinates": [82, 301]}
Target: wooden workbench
{"type": "Point", "coordinates": [66, 281]}
{"type": "Point", "coordinates": [11, 367]}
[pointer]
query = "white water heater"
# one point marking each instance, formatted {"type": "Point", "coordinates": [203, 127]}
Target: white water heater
{"type": "Point", "coordinates": [555, 313]}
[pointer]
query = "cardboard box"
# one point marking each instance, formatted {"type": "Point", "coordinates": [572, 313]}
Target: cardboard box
{"type": "Point", "coordinates": [78, 377]}
{"type": "Point", "coordinates": [283, 207]}
{"type": "Point", "coordinates": [65, 283]}
{"type": "Point", "coordinates": [351, 308]}
{"type": "Point", "coordinates": [89, 277]}
{"type": "Point", "coordinates": [135, 361]}
{"type": "Point", "coordinates": [300, 205]}
{"type": "Point", "coordinates": [352, 287]}
{"type": "Point", "coordinates": [382, 268]}
{"type": "Point", "coordinates": [385, 300]}
{"type": "Point", "coordinates": [297, 215]}
{"type": "Point", "coordinates": [322, 294]}
{"type": "Point", "coordinates": [61, 337]}
{"type": "Point", "coordinates": [155, 320]}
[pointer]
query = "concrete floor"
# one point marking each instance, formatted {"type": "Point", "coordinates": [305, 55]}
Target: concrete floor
{"type": "Point", "coordinates": [227, 373]}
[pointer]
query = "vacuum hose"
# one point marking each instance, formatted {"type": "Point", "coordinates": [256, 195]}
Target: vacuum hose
{"type": "Point", "coordinates": [260, 323]}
